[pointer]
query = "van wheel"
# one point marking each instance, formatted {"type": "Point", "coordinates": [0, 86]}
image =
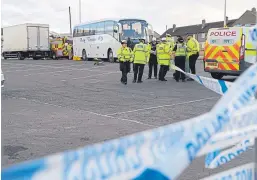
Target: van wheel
{"type": "Point", "coordinates": [20, 57]}
{"type": "Point", "coordinates": [36, 58]}
{"type": "Point", "coordinates": [110, 56]}
{"type": "Point", "coordinates": [84, 55]}
{"type": "Point", "coordinates": [217, 75]}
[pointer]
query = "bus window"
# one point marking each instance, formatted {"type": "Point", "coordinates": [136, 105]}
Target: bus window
{"type": "Point", "coordinates": [86, 30]}
{"type": "Point", "coordinates": [80, 31]}
{"type": "Point", "coordinates": [108, 27]}
{"type": "Point", "coordinates": [92, 29]}
{"type": "Point", "coordinates": [100, 28]}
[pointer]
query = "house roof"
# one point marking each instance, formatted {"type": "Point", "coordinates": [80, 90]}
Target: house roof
{"type": "Point", "coordinates": [194, 29]}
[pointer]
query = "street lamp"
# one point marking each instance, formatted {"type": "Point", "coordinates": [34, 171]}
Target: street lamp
{"type": "Point", "coordinates": [225, 16]}
{"type": "Point", "coordinates": [79, 11]}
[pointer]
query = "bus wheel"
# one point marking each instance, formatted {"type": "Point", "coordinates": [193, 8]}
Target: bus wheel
{"type": "Point", "coordinates": [84, 55]}
{"type": "Point", "coordinates": [110, 56]}
{"type": "Point", "coordinates": [217, 75]}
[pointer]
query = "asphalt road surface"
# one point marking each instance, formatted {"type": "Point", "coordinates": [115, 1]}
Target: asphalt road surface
{"type": "Point", "coordinates": [51, 106]}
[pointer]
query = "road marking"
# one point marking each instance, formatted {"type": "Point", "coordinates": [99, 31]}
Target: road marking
{"type": "Point", "coordinates": [122, 119]}
{"type": "Point", "coordinates": [93, 75]}
{"type": "Point", "coordinates": [156, 107]}
{"type": "Point", "coordinates": [47, 66]}
{"type": "Point", "coordinates": [58, 72]}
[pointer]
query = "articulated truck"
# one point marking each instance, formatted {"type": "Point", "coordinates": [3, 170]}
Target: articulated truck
{"type": "Point", "coordinates": [26, 41]}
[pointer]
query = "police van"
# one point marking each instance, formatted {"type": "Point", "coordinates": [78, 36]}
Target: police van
{"type": "Point", "coordinates": [228, 51]}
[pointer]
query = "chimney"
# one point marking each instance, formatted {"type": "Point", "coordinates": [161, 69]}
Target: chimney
{"type": "Point", "coordinates": [254, 10]}
{"type": "Point", "coordinates": [174, 28]}
{"type": "Point", "coordinates": [203, 23]}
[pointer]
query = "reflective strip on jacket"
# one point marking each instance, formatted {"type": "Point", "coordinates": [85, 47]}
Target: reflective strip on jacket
{"type": "Point", "coordinates": [193, 46]}
{"type": "Point", "coordinates": [163, 54]}
{"type": "Point", "coordinates": [141, 53]}
{"type": "Point", "coordinates": [181, 50]}
{"type": "Point", "coordinates": [124, 54]}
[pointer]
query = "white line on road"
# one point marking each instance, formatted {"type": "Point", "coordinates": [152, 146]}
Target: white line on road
{"type": "Point", "coordinates": [70, 69]}
{"type": "Point", "coordinates": [122, 119]}
{"type": "Point", "coordinates": [156, 107]}
{"type": "Point", "coordinates": [113, 72]}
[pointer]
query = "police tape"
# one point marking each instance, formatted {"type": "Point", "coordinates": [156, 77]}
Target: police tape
{"type": "Point", "coordinates": [161, 153]}
{"type": "Point", "coordinates": [217, 158]}
{"type": "Point", "coordinates": [243, 125]}
{"type": "Point", "coordinates": [218, 86]}
{"type": "Point", "coordinates": [244, 172]}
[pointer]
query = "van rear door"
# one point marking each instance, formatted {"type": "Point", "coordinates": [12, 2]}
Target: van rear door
{"type": "Point", "coordinates": [222, 48]}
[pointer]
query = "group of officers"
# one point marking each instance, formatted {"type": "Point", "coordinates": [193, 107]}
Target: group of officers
{"type": "Point", "coordinates": [158, 52]}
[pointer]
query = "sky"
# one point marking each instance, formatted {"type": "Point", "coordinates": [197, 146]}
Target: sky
{"type": "Point", "coordinates": [158, 13]}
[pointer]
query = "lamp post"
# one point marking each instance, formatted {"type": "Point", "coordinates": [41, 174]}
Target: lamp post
{"type": "Point", "coordinates": [79, 11]}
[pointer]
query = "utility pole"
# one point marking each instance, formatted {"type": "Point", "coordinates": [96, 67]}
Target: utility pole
{"type": "Point", "coordinates": [79, 11]}
{"type": "Point", "coordinates": [70, 21]}
{"type": "Point", "coordinates": [225, 12]}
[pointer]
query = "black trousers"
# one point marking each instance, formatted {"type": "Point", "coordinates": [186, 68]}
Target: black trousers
{"type": "Point", "coordinates": [163, 71]}
{"type": "Point", "coordinates": [152, 66]}
{"type": "Point", "coordinates": [192, 61]}
{"type": "Point", "coordinates": [180, 61]}
{"type": "Point", "coordinates": [124, 68]}
{"type": "Point", "coordinates": [138, 69]}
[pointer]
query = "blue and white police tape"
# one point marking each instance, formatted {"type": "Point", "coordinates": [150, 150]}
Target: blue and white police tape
{"type": "Point", "coordinates": [218, 86]}
{"type": "Point", "coordinates": [244, 172]}
{"type": "Point", "coordinates": [161, 153]}
{"type": "Point", "coordinates": [243, 125]}
{"type": "Point", "coordinates": [218, 158]}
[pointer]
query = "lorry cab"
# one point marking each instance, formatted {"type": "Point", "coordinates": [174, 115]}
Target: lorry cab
{"type": "Point", "coordinates": [228, 51]}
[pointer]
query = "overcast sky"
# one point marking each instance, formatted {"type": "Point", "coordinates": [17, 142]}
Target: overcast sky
{"type": "Point", "coordinates": [169, 12]}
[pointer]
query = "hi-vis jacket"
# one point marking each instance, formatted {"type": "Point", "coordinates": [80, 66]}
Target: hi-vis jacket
{"type": "Point", "coordinates": [171, 42]}
{"type": "Point", "coordinates": [180, 49]}
{"type": "Point", "coordinates": [125, 54]}
{"type": "Point", "coordinates": [141, 53]}
{"type": "Point", "coordinates": [193, 46]}
{"type": "Point", "coordinates": [164, 54]}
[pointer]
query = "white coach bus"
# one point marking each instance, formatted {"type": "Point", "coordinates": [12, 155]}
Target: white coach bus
{"type": "Point", "coordinates": [101, 39]}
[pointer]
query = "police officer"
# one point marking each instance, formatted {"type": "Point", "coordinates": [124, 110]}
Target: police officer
{"type": "Point", "coordinates": [140, 58]}
{"type": "Point", "coordinates": [125, 57]}
{"type": "Point", "coordinates": [170, 41]}
{"type": "Point", "coordinates": [153, 60]}
{"type": "Point", "coordinates": [180, 58]}
{"type": "Point", "coordinates": [193, 49]}
{"type": "Point", "coordinates": [163, 56]}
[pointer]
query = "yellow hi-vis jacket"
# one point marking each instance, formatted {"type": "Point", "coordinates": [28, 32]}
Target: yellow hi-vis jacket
{"type": "Point", "coordinates": [125, 54]}
{"type": "Point", "coordinates": [141, 53]}
{"type": "Point", "coordinates": [164, 54]}
{"type": "Point", "coordinates": [193, 46]}
{"type": "Point", "coordinates": [171, 42]}
{"type": "Point", "coordinates": [181, 50]}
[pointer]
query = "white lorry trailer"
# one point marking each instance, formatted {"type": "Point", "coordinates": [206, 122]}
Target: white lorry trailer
{"type": "Point", "coordinates": [26, 41]}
